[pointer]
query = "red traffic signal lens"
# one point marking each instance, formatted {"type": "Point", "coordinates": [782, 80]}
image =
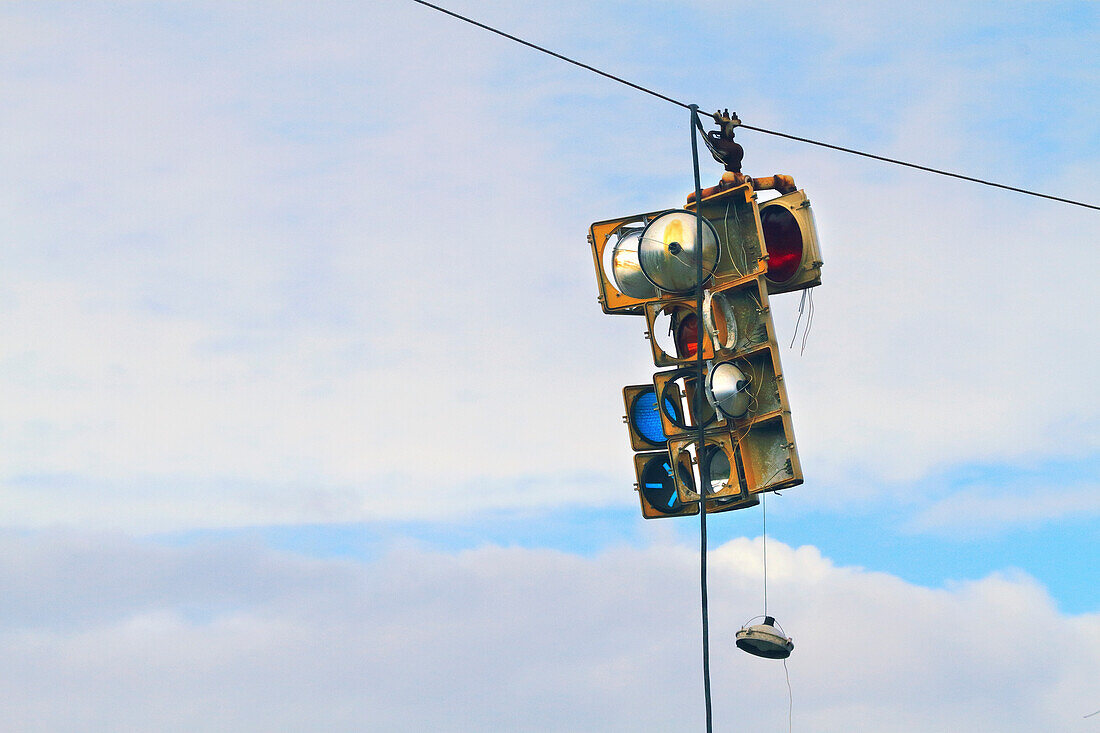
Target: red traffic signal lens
{"type": "Point", "coordinates": [783, 240]}
{"type": "Point", "coordinates": [687, 336]}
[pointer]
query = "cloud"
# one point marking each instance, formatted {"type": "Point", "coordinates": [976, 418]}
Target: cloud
{"type": "Point", "coordinates": [104, 633]}
{"type": "Point", "coordinates": [231, 310]}
{"type": "Point", "coordinates": [259, 270]}
{"type": "Point", "coordinates": [986, 509]}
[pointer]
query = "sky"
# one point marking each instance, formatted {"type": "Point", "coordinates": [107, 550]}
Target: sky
{"type": "Point", "coordinates": [309, 417]}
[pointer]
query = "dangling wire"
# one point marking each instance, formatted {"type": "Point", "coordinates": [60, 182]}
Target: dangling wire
{"type": "Point", "coordinates": [786, 672]}
{"type": "Point", "coordinates": [764, 510]}
{"type": "Point", "coordinates": [807, 305]}
{"type": "Point", "coordinates": [790, 698]}
{"type": "Point", "coordinates": [809, 322]}
{"type": "Point", "coordinates": [801, 307]}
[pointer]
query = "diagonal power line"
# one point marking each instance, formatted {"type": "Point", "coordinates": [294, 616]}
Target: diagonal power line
{"type": "Point", "coordinates": [796, 138]}
{"type": "Point", "coordinates": [555, 54]}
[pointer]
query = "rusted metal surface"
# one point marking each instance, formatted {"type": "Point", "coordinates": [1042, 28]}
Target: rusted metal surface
{"type": "Point", "coordinates": [778, 182]}
{"type": "Point", "coordinates": [721, 144]}
{"type": "Point", "coordinates": [729, 153]}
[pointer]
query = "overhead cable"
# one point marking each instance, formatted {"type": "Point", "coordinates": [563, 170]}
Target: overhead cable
{"type": "Point", "coordinates": [919, 167]}
{"type": "Point", "coordinates": [796, 138]}
{"type": "Point", "coordinates": [556, 55]}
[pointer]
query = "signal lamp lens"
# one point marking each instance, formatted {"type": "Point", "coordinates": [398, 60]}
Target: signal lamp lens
{"type": "Point", "coordinates": [783, 240]}
{"type": "Point", "coordinates": [687, 336]}
{"type": "Point", "coordinates": [659, 487]}
{"type": "Point", "coordinates": [646, 420]}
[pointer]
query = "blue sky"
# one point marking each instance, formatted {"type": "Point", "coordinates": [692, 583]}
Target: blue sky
{"type": "Point", "coordinates": [296, 308]}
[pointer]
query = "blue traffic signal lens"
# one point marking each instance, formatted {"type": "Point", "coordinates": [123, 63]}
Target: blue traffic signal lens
{"type": "Point", "coordinates": [644, 417]}
{"type": "Point", "coordinates": [659, 487]}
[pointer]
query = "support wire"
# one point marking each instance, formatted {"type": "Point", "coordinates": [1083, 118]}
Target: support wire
{"type": "Point", "coordinates": [555, 54]}
{"type": "Point", "coordinates": [764, 510]}
{"type": "Point", "coordinates": [796, 138]}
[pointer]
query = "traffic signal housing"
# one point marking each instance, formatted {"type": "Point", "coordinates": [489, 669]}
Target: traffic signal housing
{"type": "Point", "coordinates": [790, 236]}
{"type": "Point", "coordinates": [649, 257]}
{"type": "Point", "coordinates": [643, 417]}
{"type": "Point", "coordinates": [646, 265]}
{"type": "Point", "coordinates": [623, 286]}
{"type": "Point", "coordinates": [658, 485]}
{"type": "Point", "coordinates": [741, 403]}
{"type": "Point", "coordinates": [662, 490]}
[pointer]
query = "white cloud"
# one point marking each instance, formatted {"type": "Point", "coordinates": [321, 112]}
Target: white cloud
{"type": "Point", "coordinates": [103, 633]}
{"type": "Point", "coordinates": [986, 509]}
{"type": "Point", "coordinates": [214, 220]}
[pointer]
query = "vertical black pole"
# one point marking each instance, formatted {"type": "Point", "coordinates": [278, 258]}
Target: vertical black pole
{"type": "Point", "coordinates": [699, 396]}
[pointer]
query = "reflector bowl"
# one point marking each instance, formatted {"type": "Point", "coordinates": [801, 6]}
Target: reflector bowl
{"type": "Point", "coordinates": [728, 389]}
{"type": "Point", "coordinates": [624, 265]}
{"type": "Point", "coordinates": [668, 251]}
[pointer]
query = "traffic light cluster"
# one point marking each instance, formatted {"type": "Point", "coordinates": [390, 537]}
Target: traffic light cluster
{"type": "Point", "coordinates": [647, 266]}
